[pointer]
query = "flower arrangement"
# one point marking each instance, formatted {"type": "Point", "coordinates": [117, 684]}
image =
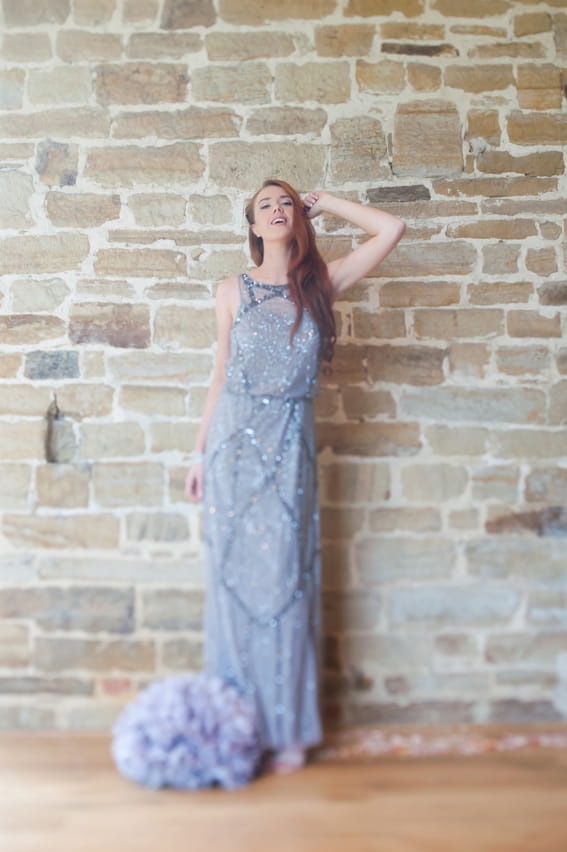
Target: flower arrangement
{"type": "Point", "coordinates": [187, 731]}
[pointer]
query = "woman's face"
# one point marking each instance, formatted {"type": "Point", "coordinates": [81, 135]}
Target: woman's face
{"type": "Point", "coordinates": [273, 214]}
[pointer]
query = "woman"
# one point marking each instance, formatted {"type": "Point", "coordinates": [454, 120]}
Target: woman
{"type": "Point", "coordinates": [254, 463]}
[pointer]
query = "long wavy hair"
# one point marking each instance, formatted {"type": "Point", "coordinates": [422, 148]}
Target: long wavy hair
{"type": "Point", "coordinates": [309, 284]}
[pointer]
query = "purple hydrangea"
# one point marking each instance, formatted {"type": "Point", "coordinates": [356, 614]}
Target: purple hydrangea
{"type": "Point", "coordinates": [187, 731]}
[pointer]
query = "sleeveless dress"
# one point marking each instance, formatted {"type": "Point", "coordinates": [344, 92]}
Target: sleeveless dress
{"type": "Point", "coordinates": [261, 518]}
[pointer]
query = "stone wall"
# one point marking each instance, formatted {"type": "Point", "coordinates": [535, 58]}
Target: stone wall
{"type": "Point", "coordinates": [131, 133]}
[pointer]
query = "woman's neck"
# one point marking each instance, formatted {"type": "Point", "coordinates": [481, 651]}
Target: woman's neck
{"type": "Point", "coordinates": [275, 265]}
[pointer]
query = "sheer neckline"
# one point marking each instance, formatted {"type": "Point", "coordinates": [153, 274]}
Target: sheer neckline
{"type": "Point", "coordinates": [263, 283]}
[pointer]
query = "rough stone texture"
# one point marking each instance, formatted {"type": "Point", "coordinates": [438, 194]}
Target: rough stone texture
{"type": "Point", "coordinates": [427, 139]}
{"type": "Point", "coordinates": [140, 83]}
{"type": "Point", "coordinates": [129, 165]}
{"type": "Point", "coordinates": [25, 14]}
{"type": "Point", "coordinates": [117, 325]}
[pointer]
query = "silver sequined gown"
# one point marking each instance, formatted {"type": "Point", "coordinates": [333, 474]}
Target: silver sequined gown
{"type": "Point", "coordinates": [261, 519]}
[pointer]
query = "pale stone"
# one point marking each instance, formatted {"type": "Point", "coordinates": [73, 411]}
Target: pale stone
{"type": "Point", "coordinates": [93, 12]}
{"type": "Point", "coordinates": [146, 263]}
{"type": "Point", "coordinates": [358, 149]}
{"type": "Point", "coordinates": [448, 323]}
{"type": "Point", "coordinates": [157, 209]}
{"type": "Point", "coordinates": [427, 139]}
{"type": "Point", "coordinates": [191, 123]}
{"type": "Point", "coordinates": [216, 264]}
{"type": "Point", "coordinates": [62, 485]}
{"type": "Point", "coordinates": [138, 11]}
{"type": "Point", "coordinates": [16, 190]}
{"type": "Point", "coordinates": [16, 479]}
{"type": "Point", "coordinates": [461, 404]}
{"type": "Point", "coordinates": [238, 47]}
{"type": "Point", "coordinates": [346, 40]}
{"type": "Point", "coordinates": [533, 324]}
{"type": "Point", "coordinates": [542, 261]}
{"type": "Point", "coordinates": [184, 327]}
{"type": "Point", "coordinates": [41, 253]}
{"type": "Point", "coordinates": [161, 45]}
{"type": "Point", "coordinates": [469, 359]}
{"type": "Point", "coordinates": [128, 483]}
{"type": "Point", "coordinates": [433, 482]}
{"type": "Point", "coordinates": [173, 436]}
{"type": "Point", "coordinates": [249, 12]}
{"type": "Point", "coordinates": [245, 84]}
{"type": "Point", "coordinates": [57, 123]}
{"type": "Point", "coordinates": [452, 441]}
{"type": "Point", "coordinates": [172, 609]}
{"type": "Point", "coordinates": [14, 645]}
{"type": "Point", "coordinates": [66, 84]}
{"type": "Point", "coordinates": [322, 82]}
{"type": "Point", "coordinates": [496, 482]}
{"type": "Point", "coordinates": [558, 403]}
{"type": "Point", "coordinates": [11, 88]}
{"type": "Point", "coordinates": [26, 47]}
{"type": "Point", "coordinates": [56, 654]}
{"type": "Point", "coordinates": [370, 439]}
{"type": "Point", "coordinates": [408, 294]}
{"type": "Point", "coordinates": [38, 295]}
{"type": "Point", "coordinates": [74, 531]}
{"type": "Point", "coordinates": [424, 78]}
{"type": "Point", "coordinates": [479, 78]}
{"type": "Point", "coordinates": [57, 163]}
{"type": "Point", "coordinates": [420, 259]}
{"type": "Point", "coordinates": [161, 367]}
{"type": "Point", "coordinates": [25, 440]}
{"type": "Point", "coordinates": [183, 654]}
{"type": "Point", "coordinates": [210, 209]}
{"type": "Point", "coordinates": [414, 365]}
{"type": "Point", "coordinates": [547, 484]}
{"type": "Point", "coordinates": [82, 46]}
{"type": "Point", "coordinates": [111, 440]}
{"type": "Point", "coordinates": [18, 329]}
{"type": "Point", "coordinates": [522, 360]}
{"type": "Point", "coordinates": [530, 443]}
{"type": "Point", "coordinates": [245, 164]}
{"type": "Point", "coordinates": [163, 401]}
{"type": "Point", "coordinates": [184, 14]}
{"type": "Point", "coordinates": [126, 326]}
{"type": "Point", "coordinates": [385, 77]}
{"type": "Point", "coordinates": [500, 258]}
{"type": "Point", "coordinates": [84, 210]}
{"type": "Point", "coordinates": [470, 604]}
{"type": "Point", "coordinates": [412, 519]}
{"type": "Point", "coordinates": [390, 558]}
{"type": "Point", "coordinates": [499, 292]}
{"type": "Point", "coordinates": [85, 400]}
{"type": "Point", "coordinates": [130, 165]}
{"type": "Point", "coordinates": [10, 365]}
{"type": "Point", "coordinates": [24, 400]}
{"type": "Point", "coordinates": [26, 14]}
{"type": "Point", "coordinates": [348, 482]}
{"type": "Point", "coordinates": [162, 526]}
{"type": "Point", "coordinates": [140, 83]}
{"type": "Point", "coordinates": [283, 121]}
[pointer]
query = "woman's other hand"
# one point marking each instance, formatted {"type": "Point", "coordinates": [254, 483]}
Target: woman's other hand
{"type": "Point", "coordinates": [313, 203]}
{"type": "Point", "coordinates": [194, 482]}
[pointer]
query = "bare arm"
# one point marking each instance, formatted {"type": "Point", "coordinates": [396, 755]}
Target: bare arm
{"type": "Point", "coordinates": [225, 308]}
{"type": "Point", "coordinates": [385, 233]}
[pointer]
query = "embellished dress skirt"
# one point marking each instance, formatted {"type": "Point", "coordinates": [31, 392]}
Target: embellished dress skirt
{"type": "Point", "coordinates": [261, 522]}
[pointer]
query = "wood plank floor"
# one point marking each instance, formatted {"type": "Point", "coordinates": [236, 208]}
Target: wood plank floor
{"type": "Point", "coordinates": [61, 793]}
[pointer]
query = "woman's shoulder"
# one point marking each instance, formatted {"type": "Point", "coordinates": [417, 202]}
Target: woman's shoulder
{"type": "Point", "coordinates": [227, 295]}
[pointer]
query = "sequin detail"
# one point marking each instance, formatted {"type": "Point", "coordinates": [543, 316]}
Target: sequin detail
{"type": "Point", "coordinates": [261, 520]}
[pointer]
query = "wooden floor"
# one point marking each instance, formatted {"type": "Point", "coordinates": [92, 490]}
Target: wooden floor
{"type": "Point", "coordinates": [61, 793]}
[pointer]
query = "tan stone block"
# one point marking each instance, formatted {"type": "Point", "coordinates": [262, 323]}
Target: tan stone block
{"type": "Point", "coordinates": [326, 404]}
{"type": "Point", "coordinates": [111, 440]}
{"type": "Point", "coordinates": [162, 45]}
{"type": "Point", "coordinates": [421, 259]}
{"type": "Point", "coordinates": [10, 365]}
{"type": "Point", "coordinates": [128, 483]}
{"type": "Point", "coordinates": [83, 46]}
{"type": "Point", "coordinates": [136, 236]}
{"type": "Point", "coordinates": [341, 523]}
{"type": "Point", "coordinates": [235, 46]}
{"type": "Point", "coordinates": [140, 11]}
{"type": "Point", "coordinates": [62, 485]}
{"type": "Point", "coordinates": [283, 121]}
{"type": "Point", "coordinates": [93, 13]}
{"type": "Point", "coordinates": [163, 367]}
{"type": "Point", "coordinates": [16, 482]}
{"type": "Point", "coordinates": [249, 12]}
{"type": "Point", "coordinates": [466, 322]}
{"type": "Point", "coordinates": [385, 77]}
{"type": "Point", "coordinates": [370, 439]}
{"type": "Point", "coordinates": [349, 482]}
{"type": "Point", "coordinates": [85, 400]}
{"type": "Point", "coordinates": [358, 149]}
{"type": "Point", "coordinates": [215, 264]}
{"type": "Point", "coordinates": [500, 258]}
{"type": "Point", "coordinates": [412, 519]}
{"type": "Point", "coordinates": [173, 436]}
{"type": "Point", "coordinates": [539, 87]}
{"type": "Point", "coordinates": [101, 289]}
{"type": "Point", "coordinates": [24, 400]}
{"type": "Point", "coordinates": [247, 84]}
{"type": "Point", "coordinates": [92, 365]}
{"type": "Point", "coordinates": [524, 207]}
{"type": "Point", "coordinates": [468, 359]}
{"type": "Point", "coordinates": [345, 40]}
{"type": "Point", "coordinates": [532, 23]}
{"type": "Point", "coordinates": [157, 526]}
{"type": "Point", "coordinates": [479, 78]}
{"type": "Point", "coordinates": [424, 78]}
{"type": "Point", "coordinates": [16, 192]}
{"type": "Point", "coordinates": [179, 290]}
{"type": "Point", "coordinates": [66, 84]}
{"type": "Point", "coordinates": [130, 165]}
{"type": "Point", "coordinates": [140, 83]}
{"type": "Point", "coordinates": [471, 8]}
{"type": "Point", "coordinates": [547, 484]}
{"type": "Point", "coordinates": [369, 324]}
{"type": "Point", "coordinates": [191, 123]}
{"type": "Point", "coordinates": [523, 323]}
{"type": "Point", "coordinates": [210, 209]}
{"type": "Point", "coordinates": [347, 365]}
{"type": "Point", "coordinates": [178, 326]}
{"type": "Point", "coordinates": [57, 531]}
{"type": "Point", "coordinates": [30, 14]}
{"type": "Point", "coordinates": [522, 360]}
{"type": "Point", "coordinates": [483, 124]}
{"type": "Point", "coordinates": [550, 230]}
{"type": "Point", "coordinates": [14, 645]}
{"type": "Point", "coordinates": [182, 15]}
{"type": "Point", "coordinates": [553, 293]}
{"type": "Point", "coordinates": [533, 128]}
{"type": "Point", "coordinates": [57, 123]}
{"type": "Point", "coordinates": [184, 654]}
{"type": "Point", "coordinates": [542, 261]}
{"type": "Point", "coordinates": [322, 82]}
{"type": "Point", "coordinates": [411, 31]}
{"type": "Point", "coordinates": [26, 47]}
{"type": "Point", "coordinates": [545, 164]}
{"type": "Point", "coordinates": [126, 326]}
{"type": "Point", "coordinates": [427, 139]}
{"type": "Point", "coordinates": [163, 401]}
{"type": "Point", "coordinates": [558, 403]}
{"type": "Point", "coordinates": [245, 164]}
{"type": "Point", "coordinates": [20, 151]}
{"type": "Point", "coordinates": [11, 88]}
{"type": "Point", "coordinates": [67, 654]}
{"type": "Point", "coordinates": [155, 209]}
{"type": "Point", "coordinates": [369, 8]}
{"type": "Point", "coordinates": [140, 263]}
{"type": "Point", "coordinates": [363, 403]}
{"type": "Point", "coordinates": [494, 229]}
{"type": "Point", "coordinates": [19, 329]}
{"type": "Point", "coordinates": [24, 440]}
{"type": "Point", "coordinates": [386, 559]}
{"type": "Point", "coordinates": [496, 187]}
{"type": "Point", "coordinates": [498, 482]}
{"type": "Point", "coordinates": [529, 444]}
{"type": "Point", "coordinates": [414, 365]}
{"type": "Point", "coordinates": [433, 482]}
{"type": "Point", "coordinates": [473, 404]}
{"type": "Point", "coordinates": [55, 253]}
{"type": "Point", "coordinates": [38, 295]}
{"type": "Point", "coordinates": [408, 294]}
{"type": "Point", "coordinates": [57, 163]}
{"type": "Point", "coordinates": [82, 210]}
{"type": "Point", "coordinates": [461, 441]}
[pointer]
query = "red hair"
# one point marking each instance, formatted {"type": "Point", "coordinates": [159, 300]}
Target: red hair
{"type": "Point", "coordinates": [309, 282]}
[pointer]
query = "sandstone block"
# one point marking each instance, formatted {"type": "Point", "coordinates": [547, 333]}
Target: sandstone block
{"type": "Point", "coordinates": [522, 360]}
{"type": "Point", "coordinates": [500, 258]}
{"type": "Point", "coordinates": [558, 403]}
{"type": "Point", "coordinates": [24, 400]}
{"type": "Point", "coordinates": [93, 13]}
{"type": "Point", "coordinates": [172, 609]}
{"type": "Point", "coordinates": [130, 165]}
{"type": "Point", "coordinates": [414, 365]}
{"type": "Point", "coordinates": [161, 401]}
{"type": "Point", "coordinates": [343, 523]}
{"type": "Point", "coordinates": [427, 139]}
{"type": "Point", "coordinates": [424, 78]}
{"type": "Point", "coordinates": [14, 645]}
{"type": "Point", "coordinates": [82, 46]}
{"type": "Point", "coordinates": [495, 229]}
{"type": "Point", "coordinates": [484, 405]}
{"type": "Point", "coordinates": [140, 11]}
{"type": "Point", "coordinates": [529, 443]}
{"type": "Point", "coordinates": [519, 647]}
{"type": "Point", "coordinates": [16, 191]}
{"type": "Point", "coordinates": [408, 294]}
{"type": "Point", "coordinates": [161, 367]}
{"type": "Point", "coordinates": [447, 606]}
{"type": "Point", "coordinates": [372, 324]}
{"type": "Point", "coordinates": [539, 87]}
{"type": "Point", "coordinates": [553, 293]}
{"type": "Point", "coordinates": [62, 485]}
{"type": "Point", "coordinates": [413, 519]}
{"type": "Point", "coordinates": [283, 121]}
{"type": "Point", "coordinates": [85, 608]}
{"type": "Point", "coordinates": [420, 259]}
{"type": "Point", "coordinates": [480, 78]}
{"type": "Point", "coordinates": [210, 209]}
{"type": "Point", "coordinates": [141, 263]}
{"type": "Point", "coordinates": [370, 439]}
{"type": "Point", "coordinates": [433, 482]}
{"type": "Point", "coordinates": [248, 11]}
{"type": "Point", "coordinates": [54, 654]}
{"type": "Point", "coordinates": [468, 359]}
{"type": "Point", "coordinates": [360, 403]}
{"type": "Point", "coordinates": [163, 526]}
{"type": "Point", "coordinates": [369, 8]}
{"type": "Point", "coordinates": [499, 292]}
{"type": "Point", "coordinates": [499, 482]}
{"type": "Point", "coordinates": [37, 254]}
{"type": "Point", "coordinates": [128, 483]}
{"type": "Point", "coordinates": [57, 163]}
{"type": "Point", "coordinates": [548, 521]}
{"type": "Point", "coordinates": [180, 290]}
{"type": "Point", "coordinates": [245, 164]}
{"type": "Point", "coordinates": [173, 436]}
{"type": "Point", "coordinates": [125, 326]}
{"type": "Point", "coordinates": [162, 45]}
{"type": "Point", "coordinates": [10, 365]}
{"type": "Point", "coordinates": [185, 14]}
{"type": "Point", "coordinates": [183, 654]}
{"type": "Point", "coordinates": [31, 14]}
{"type": "Point", "coordinates": [483, 124]}
{"type": "Point", "coordinates": [23, 440]}
{"type": "Point", "coordinates": [111, 440]}
{"type": "Point", "coordinates": [73, 531]}
{"type": "Point", "coordinates": [184, 327]}
{"type": "Point", "coordinates": [547, 484]}
{"type": "Point", "coordinates": [461, 441]}
{"type": "Point", "coordinates": [82, 210]}
{"type": "Point", "coordinates": [533, 128]}
{"type": "Point", "coordinates": [322, 82]}
{"type": "Point", "coordinates": [65, 84]}
{"type": "Point", "coordinates": [140, 83]}
{"type": "Point", "coordinates": [387, 559]}
{"type": "Point", "coordinates": [248, 84]}
{"type": "Point", "coordinates": [85, 400]}
{"type": "Point", "coordinates": [62, 123]}
{"type": "Point", "coordinates": [342, 609]}
{"type": "Point", "coordinates": [350, 482]}
{"type": "Point", "coordinates": [532, 23]}
{"type": "Point", "coordinates": [21, 329]}
{"type": "Point", "coordinates": [16, 480]}
{"type": "Point", "coordinates": [380, 77]}
{"type": "Point", "coordinates": [450, 323]}
{"type": "Point", "coordinates": [346, 40]}
{"type": "Point", "coordinates": [11, 88]}
{"type": "Point", "coordinates": [192, 123]}
{"type": "Point", "coordinates": [238, 47]}
{"type": "Point", "coordinates": [358, 149]}
{"type": "Point", "coordinates": [542, 261]}
{"type": "Point", "coordinates": [523, 323]}
{"type": "Point", "coordinates": [26, 47]}
{"type": "Point", "coordinates": [155, 209]}
{"type": "Point", "coordinates": [30, 295]}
